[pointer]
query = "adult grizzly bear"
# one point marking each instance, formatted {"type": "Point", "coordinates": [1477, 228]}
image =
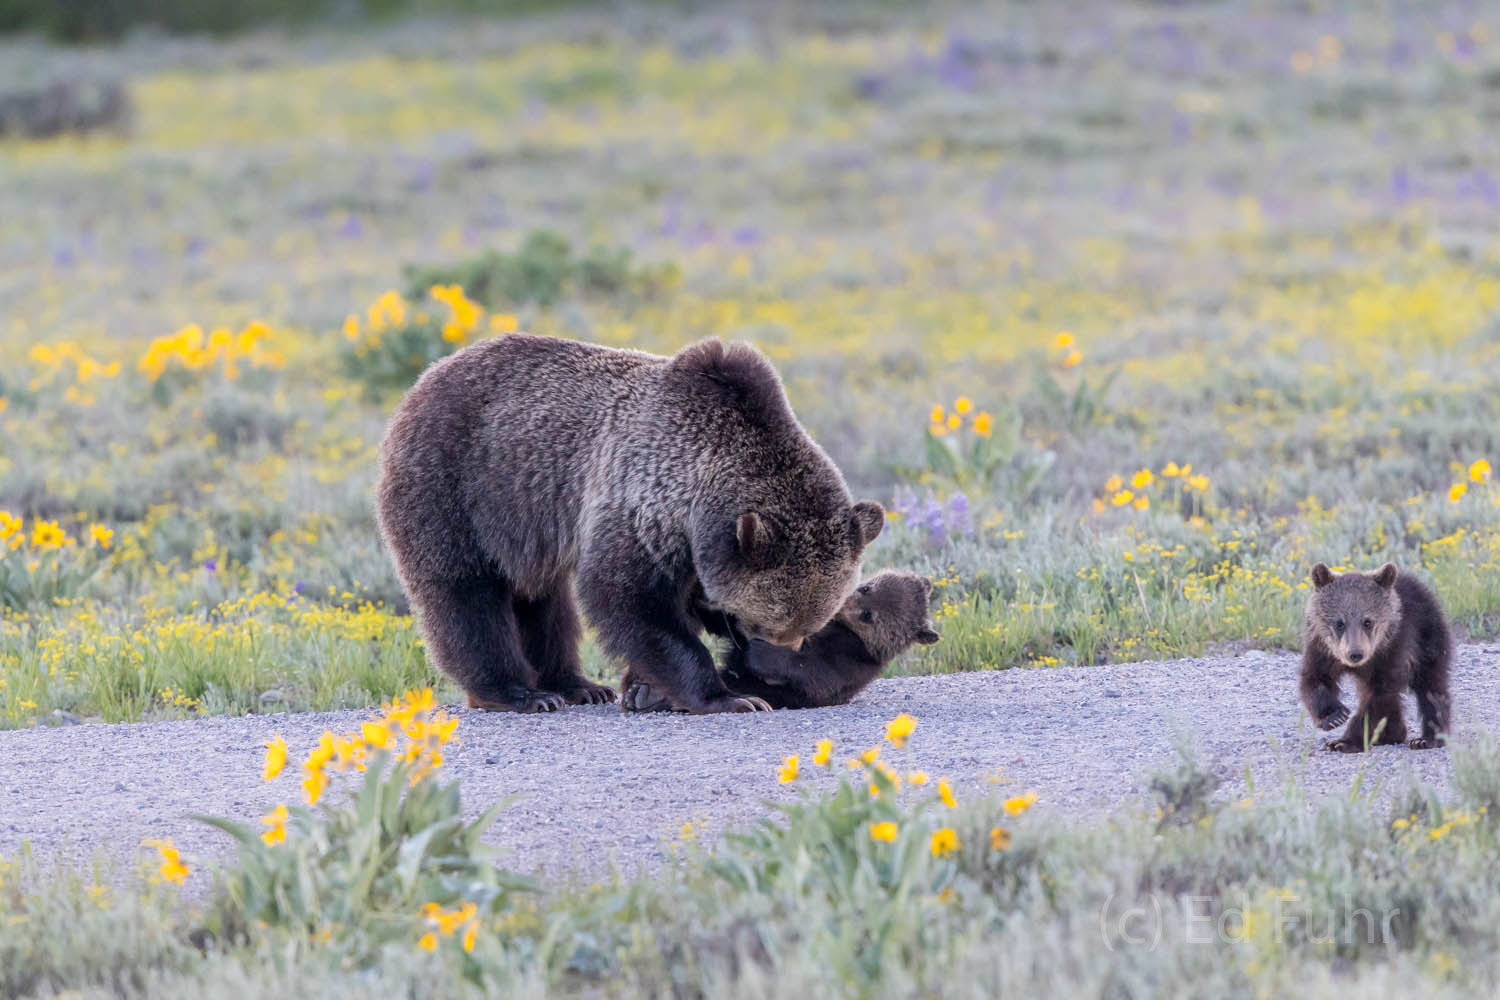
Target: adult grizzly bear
{"type": "Point", "coordinates": [664, 484]}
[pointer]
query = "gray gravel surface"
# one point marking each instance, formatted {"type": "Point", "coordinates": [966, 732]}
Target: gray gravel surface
{"type": "Point", "coordinates": [593, 785]}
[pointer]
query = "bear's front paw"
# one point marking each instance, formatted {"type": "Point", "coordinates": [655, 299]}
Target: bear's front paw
{"type": "Point", "coordinates": [1344, 746]}
{"type": "Point", "coordinates": [1425, 742]}
{"type": "Point", "coordinates": [1333, 718]}
{"type": "Point", "coordinates": [733, 703]}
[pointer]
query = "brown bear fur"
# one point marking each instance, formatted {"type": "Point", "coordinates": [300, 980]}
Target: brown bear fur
{"type": "Point", "coordinates": [879, 621]}
{"type": "Point", "coordinates": [1387, 631]}
{"type": "Point", "coordinates": [519, 464]}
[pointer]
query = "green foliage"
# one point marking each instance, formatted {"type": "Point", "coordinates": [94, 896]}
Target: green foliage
{"type": "Point", "coordinates": [1077, 411]}
{"type": "Point", "coordinates": [391, 363]}
{"type": "Point", "coordinates": [543, 270]}
{"type": "Point", "coordinates": [362, 871]}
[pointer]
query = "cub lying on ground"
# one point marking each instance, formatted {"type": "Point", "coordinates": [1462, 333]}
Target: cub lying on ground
{"type": "Point", "coordinates": [1388, 631]}
{"type": "Point", "coordinates": [879, 622]}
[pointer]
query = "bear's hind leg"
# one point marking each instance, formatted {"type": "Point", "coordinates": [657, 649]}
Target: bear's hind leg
{"type": "Point", "coordinates": [1429, 683]}
{"type": "Point", "coordinates": [549, 636]}
{"type": "Point", "coordinates": [470, 628]}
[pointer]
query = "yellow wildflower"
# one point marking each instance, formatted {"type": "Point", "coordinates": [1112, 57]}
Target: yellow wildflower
{"type": "Point", "coordinates": [101, 536]}
{"type": "Point", "coordinates": [983, 423]}
{"type": "Point", "coordinates": [375, 734]}
{"type": "Point", "coordinates": [1456, 492]}
{"type": "Point", "coordinates": [275, 756]}
{"type": "Point", "coordinates": [428, 942]}
{"type": "Point", "coordinates": [1122, 498]}
{"type": "Point", "coordinates": [1142, 479]}
{"type": "Point", "coordinates": [962, 405]}
{"type": "Point", "coordinates": [899, 729]}
{"type": "Point", "coordinates": [1142, 502]}
{"type": "Point", "coordinates": [172, 868]}
{"type": "Point", "coordinates": [314, 784]}
{"type": "Point", "coordinates": [49, 535]}
{"type": "Point", "coordinates": [870, 755]}
{"type": "Point", "coordinates": [1170, 469]}
{"type": "Point", "coordinates": [954, 421]}
{"type": "Point", "coordinates": [1063, 341]}
{"type": "Point", "coordinates": [1017, 804]}
{"type": "Point", "coordinates": [917, 778]}
{"type": "Point", "coordinates": [937, 416]}
{"type": "Point", "coordinates": [1199, 483]}
{"type": "Point", "coordinates": [504, 323]}
{"type": "Point", "coordinates": [938, 430]}
{"type": "Point", "coordinates": [823, 753]}
{"type": "Point", "coordinates": [944, 842]}
{"type": "Point", "coordinates": [945, 792]}
{"type": "Point", "coordinates": [351, 327]}
{"type": "Point", "coordinates": [1073, 358]}
{"type": "Point", "coordinates": [10, 525]}
{"type": "Point", "coordinates": [885, 831]}
{"type": "Point", "coordinates": [788, 772]}
{"type": "Point", "coordinates": [1113, 484]}
{"type": "Point", "coordinates": [999, 838]}
{"type": "Point", "coordinates": [276, 820]}
{"type": "Point", "coordinates": [1479, 471]}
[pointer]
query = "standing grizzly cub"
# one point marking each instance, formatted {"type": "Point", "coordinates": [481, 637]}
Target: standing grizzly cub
{"type": "Point", "coordinates": [879, 622]}
{"type": "Point", "coordinates": [1388, 631]}
{"type": "Point", "coordinates": [661, 483]}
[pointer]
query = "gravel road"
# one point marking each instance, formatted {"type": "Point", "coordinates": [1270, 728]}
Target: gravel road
{"type": "Point", "coordinates": [593, 785]}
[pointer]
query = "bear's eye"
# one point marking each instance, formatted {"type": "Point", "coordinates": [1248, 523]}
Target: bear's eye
{"type": "Point", "coordinates": [864, 589]}
{"type": "Point", "coordinates": [867, 616]}
{"type": "Point", "coordinates": [1368, 624]}
{"type": "Point", "coordinates": [1338, 628]}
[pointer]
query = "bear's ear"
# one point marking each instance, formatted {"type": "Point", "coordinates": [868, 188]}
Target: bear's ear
{"type": "Point", "coordinates": [1385, 575]}
{"type": "Point", "coordinates": [1322, 576]}
{"type": "Point", "coordinates": [926, 586]}
{"type": "Point", "coordinates": [754, 539]}
{"type": "Point", "coordinates": [866, 521]}
{"type": "Point", "coordinates": [926, 635]}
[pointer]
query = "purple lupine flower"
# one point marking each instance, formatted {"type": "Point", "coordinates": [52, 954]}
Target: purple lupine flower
{"type": "Point", "coordinates": [212, 565]}
{"type": "Point", "coordinates": [958, 515]}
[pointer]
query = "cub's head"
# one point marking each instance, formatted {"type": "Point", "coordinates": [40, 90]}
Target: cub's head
{"type": "Point", "coordinates": [889, 613]}
{"type": "Point", "coordinates": [1353, 614]}
{"type": "Point", "coordinates": [784, 581]}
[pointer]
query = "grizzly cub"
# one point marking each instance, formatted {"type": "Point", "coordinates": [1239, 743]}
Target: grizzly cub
{"type": "Point", "coordinates": [879, 621]}
{"type": "Point", "coordinates": [1388, 631]}
{"type": "Point", "coordinates": [661, 484]}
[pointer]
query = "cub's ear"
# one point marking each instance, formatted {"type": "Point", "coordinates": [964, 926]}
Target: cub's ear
{"type": "Point", "coordinates": [866, 521]}
{"type": "Point", "coordinates": [1322, 576]}
{"type": "Point", "coordinates": [926, 586]}
{"type": "Point", "coordinates": [1385, 575]}
{"type": "Point", "coordinates": [926, 635]}
{"type": "Point", "coordinates": [756, 545]}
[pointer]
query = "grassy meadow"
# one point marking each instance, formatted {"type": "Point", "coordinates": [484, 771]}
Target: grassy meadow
{"type": "Point", "coordinates": [1128, 314]}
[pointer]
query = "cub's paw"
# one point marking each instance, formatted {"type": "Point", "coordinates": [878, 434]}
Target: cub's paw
{"type": "Point", "coordinates": [640, 698]}
{"type": "Point", "coordinates": [1344, 746]}
{"type": "Point", "coordinates": [589, 693]}
{"type": "Point", "coordinates": [1333, 718]}
{"type": "Point", "coordinates": [1425, 742]}
{"type": "Point", "coordinates": [733, 703]}
{"type": "Point", "coordinates": [523, 700]}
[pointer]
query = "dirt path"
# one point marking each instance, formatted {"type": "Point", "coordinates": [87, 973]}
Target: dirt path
{"type": "Point", "coordinates": [593, 784]}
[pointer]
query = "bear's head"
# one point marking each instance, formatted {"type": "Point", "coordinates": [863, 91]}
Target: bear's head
{"type": "Point", "coordinates": [1353, 614]}
{"type": "Point", "coordinates": [783, 581]}
{"type": "Point", "coordinates": [889, 612]}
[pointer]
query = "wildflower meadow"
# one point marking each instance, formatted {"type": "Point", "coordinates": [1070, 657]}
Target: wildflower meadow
{"type": "Point", "coordinates": [1128, 313]}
